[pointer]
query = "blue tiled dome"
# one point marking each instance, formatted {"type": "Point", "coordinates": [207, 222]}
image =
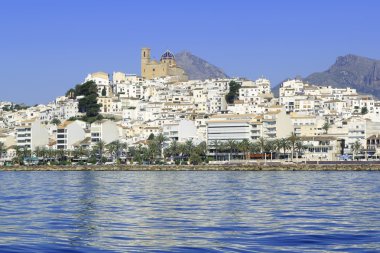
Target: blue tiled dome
{"type": "Point", "coordinates": [167, 56]}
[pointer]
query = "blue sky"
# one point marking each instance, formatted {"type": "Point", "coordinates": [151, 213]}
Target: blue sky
{"type": "Point", "coordinates": [48, 46]}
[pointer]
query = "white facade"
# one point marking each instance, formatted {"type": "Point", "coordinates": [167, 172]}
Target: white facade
{"type": "Point", "coordinates": [69, 133]}
{"type": "Point", "coordinates": [32, 134]}
{"type": "Point", "coordinates": [104, 130]}
{"type": "Point", "coordinates": [180, 131]}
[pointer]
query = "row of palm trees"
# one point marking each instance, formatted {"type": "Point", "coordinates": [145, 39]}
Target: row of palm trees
{"type": "Point", "coordinates": [260, 146]}
{"type": "Point", "coordinates": [99, 153]}
{"type": "Point", "coordinates": [158, 150]}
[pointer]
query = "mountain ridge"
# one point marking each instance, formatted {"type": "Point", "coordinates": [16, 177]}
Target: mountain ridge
{"type": "Point", "coordinates": [198, 68]}
{"type": "Point", "coordinates": [358, 72]}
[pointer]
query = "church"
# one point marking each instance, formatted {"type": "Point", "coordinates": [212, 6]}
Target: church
{"type": "Point", "coordinates": [166, 67]}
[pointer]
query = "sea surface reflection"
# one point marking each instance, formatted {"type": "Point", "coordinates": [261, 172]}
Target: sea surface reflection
{"type": "Point", "coordinates": [189, 211]}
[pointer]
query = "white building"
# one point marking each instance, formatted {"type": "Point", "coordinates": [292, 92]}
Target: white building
{"type": "Point", "coordinates": [104, 130]}
{"type": "Point", "coordinates": [31, 134]}
{"type": "Point", "coordinates": [181, 131]}
{"type": "Point", "coordinates": [69, 133]}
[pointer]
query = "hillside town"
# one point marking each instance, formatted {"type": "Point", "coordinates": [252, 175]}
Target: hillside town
{"type": "Point", "coordinates": [161, 116]}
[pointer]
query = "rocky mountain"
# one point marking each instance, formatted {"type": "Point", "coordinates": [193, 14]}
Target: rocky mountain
{"type": "Point", "coordinates": [197, 68]}
{"type": "Point", "coordinates": [354, 71]}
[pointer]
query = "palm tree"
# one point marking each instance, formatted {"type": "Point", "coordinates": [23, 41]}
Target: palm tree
{"type": "Point", "coordinates": [19, 155]}
{"type": "Point", "coordinates": [99, 149]}
{"type": "Point", "coordinates": [216, 145]}
{"type": "Point", "coordinates": [254, 147]}
{"type": "Point", "coordinates": [60, 154]}
{"type": "Point", "coordinates": [293, 139]}
{"type": "Point", "coordinates": [37, 151]}
{"type": "Point", "coordinates": [181, 151]}
{"type": "Point", "coordinates": [231, 146]}
{"type": "Point", "coordinates": [51, 154]}
{"type": "Point", "coordinates": [123, 150]}
{"type": "Point", "coordinates": [284, 145]}
{"type": "Point", "coordinates": [147, 154]}
{"type": "Point", "coordinates": [188, 148]}
{"type": "Point", "coordinates": [356, 147]}
{"type": "Point", "coordinates": [270, 147]}
{"type": "Point", "coordinates": [201, 150]}
{"type": "Point", "coordinates": [276, 145]}
{"type": "Point", "coordinates": [172, 150]}
{"type": "Point", "coordinates": [153, 150]}
{"type": "Point", "coordinates": [43, 153]}
{"type": "Point", "coordinates": [116, 148]}
{"type": "Point", "coordinates": [113, 148]}
{"type": "Point", "coordinates": [136, 153]}
{"type": "Point", "coordinates": [26, 152]}
{"type": "Point", "coordinates": [244, 146]}
{"type": "Point", "coordinates": [262, 142]}
{"type": "Point", "coordinates": [300, 147]}
{"type": "Point", "coordinates": [161, 139]}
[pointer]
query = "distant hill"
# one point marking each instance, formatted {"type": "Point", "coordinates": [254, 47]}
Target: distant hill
{"type": "Point", "coordinates": [353, 71]}
{"type": "Point", "coordinates": [197, 68]}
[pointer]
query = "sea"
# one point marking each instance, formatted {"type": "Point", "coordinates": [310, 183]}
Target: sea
{"type": "Point", "coordinates": [167, 211]}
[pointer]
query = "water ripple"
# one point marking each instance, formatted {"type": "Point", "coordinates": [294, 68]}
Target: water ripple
{"type": "Point", "coordinates": [189, 211]}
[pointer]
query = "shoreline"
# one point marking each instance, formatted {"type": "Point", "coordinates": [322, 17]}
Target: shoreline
{"type": "Point", "coordinates": [225, 167]}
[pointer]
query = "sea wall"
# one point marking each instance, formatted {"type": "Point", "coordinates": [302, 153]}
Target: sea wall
{"type": "Point", "coordinates": [226, 167]}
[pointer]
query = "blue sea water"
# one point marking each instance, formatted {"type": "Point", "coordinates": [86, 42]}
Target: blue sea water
{"type": "Point", "coordinates": [189, 211]}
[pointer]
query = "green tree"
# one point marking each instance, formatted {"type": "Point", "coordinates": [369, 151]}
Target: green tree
{"type": "Point", "coordinates": [99, 149]}
{"type": "Point", "coordinates": [195, 158]}
{"type": "Point", "coordinates": [233, 93]}
{"type": "Point", "coordinates": [19, 155]}
{"type": "Point", "coordinates": [151, 137]}
{"type": "Point", "coordinates": [284, 145]}
{"type": "Point", "coordinates": [326, 126]}
{"type": "Point", "coordinates": [188, 148]}
{"type": "Point", "coordinates": [254, 147]}
{"type": "Point", "coordinates": [55, 121]}
{"type": "Point", "coordinates": [364, 110]}
{"type": "Point", "coordinates": [60, 154]}
{"type": "Point", "coordinates": [356, 148]}
{"type": "Point", "coordinates": [262, 143]}
{"type": "Point", "coordinates": [172, 150]}
{"type": "Point", "coordinates": [201, 150]}
{"type": "Point", "coordinates": [293, 139]}
{"type": "Point", "coordinates": [104, 92]}
{"type": "Point", "coordinates": [116, 149]}
{"type": "Point", "coordinates": [216, 146]}
{"type": "Point", "coordinates": [244, 146]}
{"type": "Point", "coordinates": [88, 104]}
{"type": "Point", "coordinates": [152, 151]}
{"type": "Point", "coordinates": [231, 145]}
{"type": "Point", "coordinates": [70, 93]}
{"type": "Point", "coordinates": [271, 146]}
{"type": "Point", "coordinates": [136, 154]}
{"type": "Point", "coordinates": [2, 148]}
{"type": "Point", "coordinates": [300, 147]}
{"type": "Point", "coordinates": [277, 145]}
{"type": "Point", "coordinates": [161, 139]}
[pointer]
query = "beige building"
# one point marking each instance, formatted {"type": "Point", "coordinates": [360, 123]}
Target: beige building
{"type": "Point", "coordinates": [166, 67]}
